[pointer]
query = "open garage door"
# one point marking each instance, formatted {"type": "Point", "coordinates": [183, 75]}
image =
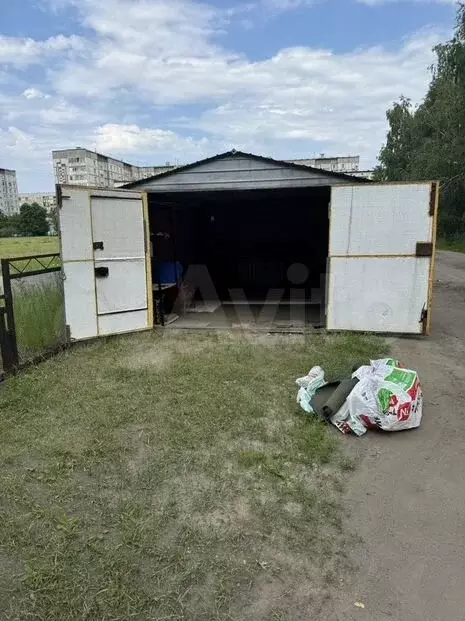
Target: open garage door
{"type": "Point", "coordinates": [381, 257]}
{"type": "Point", "coordinates": [105, 261]}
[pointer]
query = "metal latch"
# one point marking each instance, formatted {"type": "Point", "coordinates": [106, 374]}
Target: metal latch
{"type": "Point", "coordinates": [102, 272]}
{"type": "Point", "coordinates": [424, 317]}
{"type": "Point", "coordinates": [98, 245]}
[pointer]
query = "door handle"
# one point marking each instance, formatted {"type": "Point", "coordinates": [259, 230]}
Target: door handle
{"type": "Point", "coordinates": [102, 272]}
{"type": "Point", "coordinates": [98, 245]}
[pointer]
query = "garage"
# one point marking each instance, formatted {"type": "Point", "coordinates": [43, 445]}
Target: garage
{"type": "Point", "coordinates": [243, 241]}
{"type": "Point", "coordinates": [253, 253]}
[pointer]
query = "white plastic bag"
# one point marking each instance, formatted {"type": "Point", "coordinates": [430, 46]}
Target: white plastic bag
{"type": "Point", "coordinates": [388, 396]}
{"type": "Point", "coordinates": [308, 386]}
{"type": "Point", "coordinates": [347, 423]}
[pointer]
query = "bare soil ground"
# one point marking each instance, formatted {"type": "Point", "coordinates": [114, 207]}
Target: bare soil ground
{"type": "Point", "coordinates": [407, 498]}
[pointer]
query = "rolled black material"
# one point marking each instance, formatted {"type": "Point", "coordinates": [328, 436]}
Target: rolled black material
{"type": "Point", "coordinates": [336, 400]}
{"type": "Point", "coordinates": [330, 398]}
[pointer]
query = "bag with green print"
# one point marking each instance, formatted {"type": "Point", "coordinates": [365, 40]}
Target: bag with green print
{"type": "Point", "coordinates": [387, 397]}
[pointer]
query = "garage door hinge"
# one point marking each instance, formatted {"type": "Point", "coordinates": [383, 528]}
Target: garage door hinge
{"type": "Point", "coordinates": [59, 195]}
{"type": "Point", "coordinates": [424, 317]}
{"type": "Point", "coordinates": [432, 199]}
{"type": "Point", "coordinates": [424, 249]}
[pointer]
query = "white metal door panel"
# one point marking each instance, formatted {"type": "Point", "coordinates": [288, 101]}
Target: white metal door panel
{"type": "Point", "coordinates": [75, 224]}
{"type": "Point", "coordinates": [379, 280]}
{"type": "Point", "coordinates": [119, 223]}
{"type": "Point", "coordinates": [377, 219]}
{"type": "Point", "coordinates": [116, 219]}
{"type": "Point", "coordinates": [378, 294]}
{"type": "Point", "coordinates": [124, 289]}
{"type": "Point", "coordinates": [118, 230]}
{"type": "Point", "coordinates": [122, 322]}
{"type": "Point", "coordinates": [79, 290]}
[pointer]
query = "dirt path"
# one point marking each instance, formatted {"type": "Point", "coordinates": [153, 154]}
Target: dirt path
{"type": "Point", "coordinates": [407, 499]}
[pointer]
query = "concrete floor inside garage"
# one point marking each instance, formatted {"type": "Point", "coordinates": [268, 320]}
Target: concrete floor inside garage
{"type": "Point", "coordinates": [259, 317]}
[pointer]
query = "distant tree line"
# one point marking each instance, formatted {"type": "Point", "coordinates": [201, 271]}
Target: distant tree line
{"type": "Point", "coordinates": [428, 141]}
{"type": "Point", "coordinates": [32, 220]}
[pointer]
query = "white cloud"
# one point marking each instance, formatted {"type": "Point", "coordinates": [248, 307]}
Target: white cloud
{"type": "Point", "coordinates": [118, 88]}
{"type": "Point", "coordinates": [21, 51]}
{"type": "Point", "coordinates": [286, 5]}
{"type": "Point", "coordinates": [380, 2]}
{"type": "Point", "coordinates": [240, 9]}
{"type": "Point", "coordinates": [315, 96]}
{"type": "Point", "coordinates": [118, 138]}
{"type": "Point", "coordinates": [25, 147]}
{"type": "Point", "coordinates": [34, 93]}
{"type": "Point", "coordinates": [62, 112]}
{"type": "Point", "coordinates": [183, 62]}
{"type": "Point", "coordinates": [35, 107]}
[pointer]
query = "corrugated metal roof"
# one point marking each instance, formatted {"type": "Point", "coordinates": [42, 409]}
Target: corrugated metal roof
{"type": "Point", "coordinates": [234, 153]}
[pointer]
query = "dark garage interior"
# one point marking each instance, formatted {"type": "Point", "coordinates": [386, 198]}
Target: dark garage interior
{"type": "Point", "coordinates": [272, 245]}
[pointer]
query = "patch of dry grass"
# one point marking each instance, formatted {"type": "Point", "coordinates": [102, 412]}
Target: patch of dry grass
{"type": "Point", "coordinates": [172, 476]}
{"type": "Point", "coordinates": [38, 304]}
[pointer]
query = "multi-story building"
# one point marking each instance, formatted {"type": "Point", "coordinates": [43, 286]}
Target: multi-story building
{"type": "Point", "coordinates": [364, 174]}
{"type": "Point", "coordinates": [44, 199]}
{"type": "Point", "coordinates": [83, 167]}
{"type": "Point", "coordinates": [8, 192]}
{"type": "Point", "coordinates": [346, 164]}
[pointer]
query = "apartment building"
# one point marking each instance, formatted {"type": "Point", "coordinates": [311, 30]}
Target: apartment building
{"type": "Point", "coordinates": [347, 164]}
{"type": "Point", "coordinates": [364, 174]}
{"type": "Point", "coordinates": [83, 167]}
{"type": "Point", "coordinates": [44, 199]}
{"type": "Point", "coordinates": [9, 203]}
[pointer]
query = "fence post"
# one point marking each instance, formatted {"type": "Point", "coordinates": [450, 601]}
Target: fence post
{"type": "Point", "coordinates": [4, 345]}
{"type": "Point", "coordinates": [11, 359]}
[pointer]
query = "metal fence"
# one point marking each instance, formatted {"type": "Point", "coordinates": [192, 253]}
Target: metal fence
{"type": "Point", "coordinates": [32, 319]}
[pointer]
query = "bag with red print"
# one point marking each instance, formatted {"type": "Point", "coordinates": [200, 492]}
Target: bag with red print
{"type": "Point", "coordinates": [387, 396]}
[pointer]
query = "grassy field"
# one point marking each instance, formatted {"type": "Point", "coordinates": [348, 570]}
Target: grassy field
{"type": "Point", "coordinates": [26, 246]}
{"type": "Point", "coordinates": [38, 300]}
{"type": "Point", "coordinates": [456, 246]}
{"type": "Point", "coordinates": [172, 476]}
{"type": "Point", "coordinates": [38, 303]}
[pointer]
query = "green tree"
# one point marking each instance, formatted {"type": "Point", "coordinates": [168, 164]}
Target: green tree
{"type": "Point", "coordinates": [428, 142]}
{"type": "Point", "coordinates": [33, 219]}
{"type": "Point", "coordinates": [395, 155]}
{"type": "Point", "coordinates": [53, 220]}
{"type": "Point", "coordinates": [9, 225]}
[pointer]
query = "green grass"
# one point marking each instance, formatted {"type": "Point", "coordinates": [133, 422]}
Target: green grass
{"type": "Point", "coordinates": [172, 476]}
{"type": "Point", "coordinates": [39, 314]}
{"type": "Point", "coordinates": [456, 245]}
{"type": "Point", "coordinates": [26, 246]}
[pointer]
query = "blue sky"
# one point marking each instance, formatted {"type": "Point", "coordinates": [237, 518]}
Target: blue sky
{"type": "Point", "coordinates": [152, 81]}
